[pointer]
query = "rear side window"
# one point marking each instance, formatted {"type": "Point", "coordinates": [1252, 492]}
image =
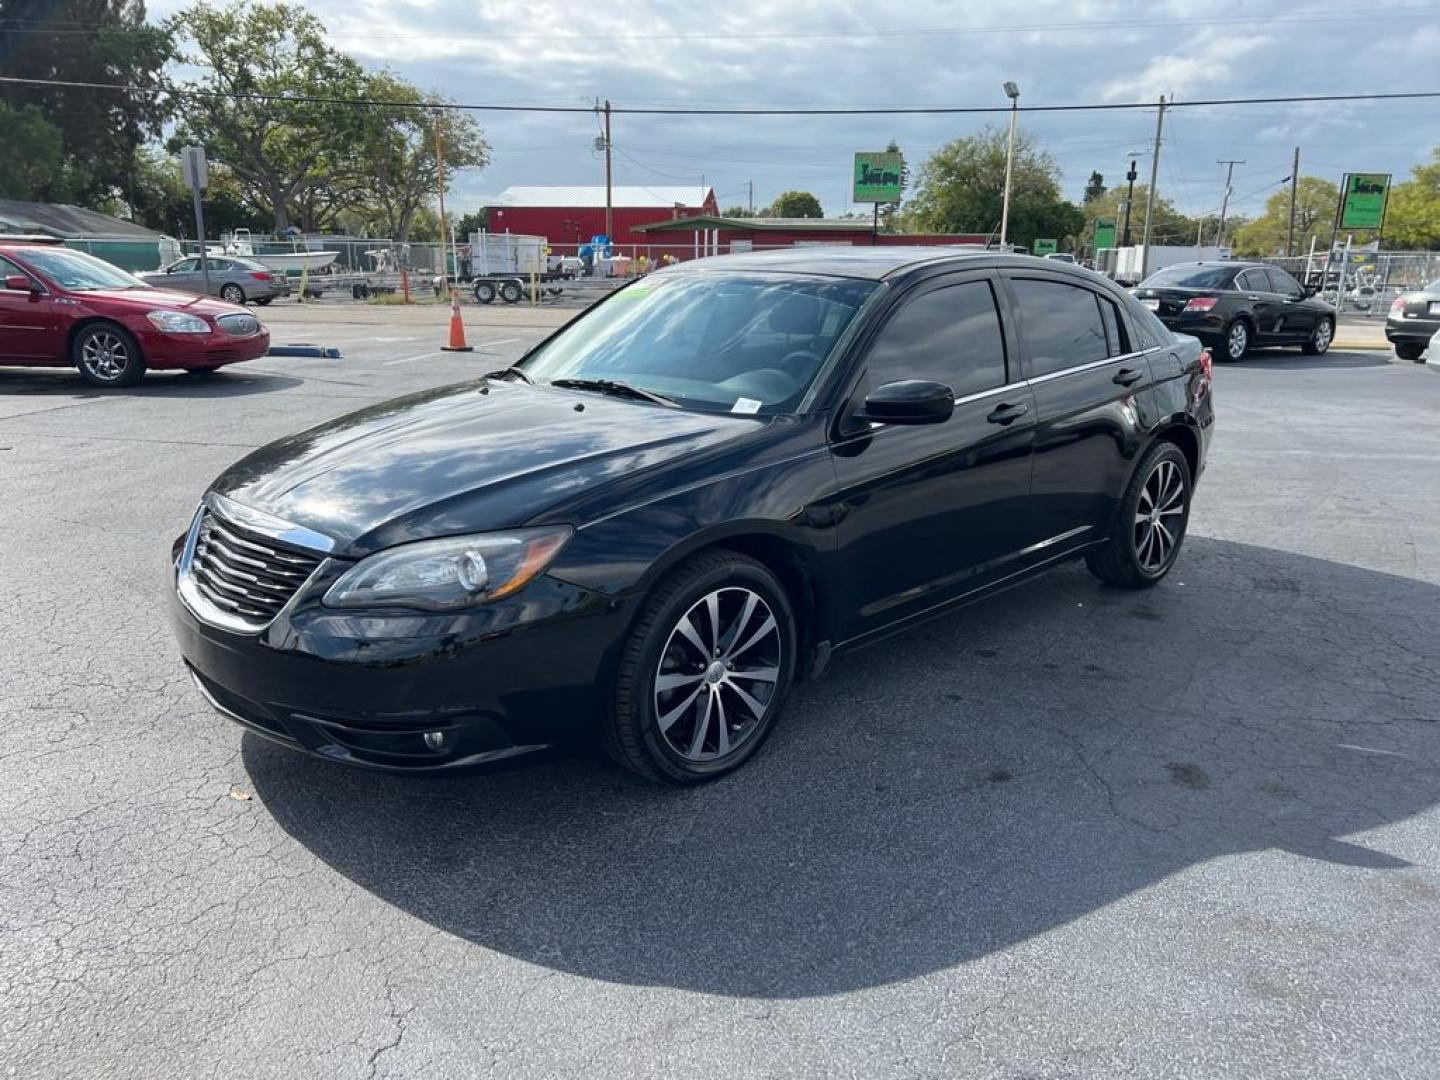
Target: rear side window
{"type": "Point", "coordinates": [1061, 325]}
{"type": "Point", "coordinates": [950, 335]}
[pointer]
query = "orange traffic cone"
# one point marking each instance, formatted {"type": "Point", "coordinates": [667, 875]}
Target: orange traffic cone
{"type": "Point", "coordinates": [457, 329]}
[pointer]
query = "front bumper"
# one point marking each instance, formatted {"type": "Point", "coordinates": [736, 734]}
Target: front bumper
{"type": "Point", "coordinates": [212, 350]}
{"type": "Point", "coordinates": [363, 688]}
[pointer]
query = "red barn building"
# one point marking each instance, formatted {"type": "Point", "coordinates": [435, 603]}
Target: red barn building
{"type": "Point", "coordinates": [569, 216]}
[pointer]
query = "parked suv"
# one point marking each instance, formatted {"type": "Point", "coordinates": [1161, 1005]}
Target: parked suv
{"type": "Point", "coordinates": [701, 490]}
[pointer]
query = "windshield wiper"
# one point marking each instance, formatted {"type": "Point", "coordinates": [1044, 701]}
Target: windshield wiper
{"type": "Point", "coordinates": [616, 388]}
{"type": "Point", "coordinates": [511, 370]}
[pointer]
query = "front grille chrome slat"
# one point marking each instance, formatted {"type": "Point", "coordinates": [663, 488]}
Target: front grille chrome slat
{"type": "Point", "coordinates": [246, 576]}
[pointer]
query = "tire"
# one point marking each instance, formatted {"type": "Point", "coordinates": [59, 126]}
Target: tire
{"type": "Point", "coordinates": [264, 301]}
{"type": "Point", "coordinates": [1409, 350]}
{"type": "Point", "coordinates": [1128, 558]}
{"type": "Point", "coordinates": [106, 355]}
{"type": "Point", "coordinates": [702, 725]}
{"type": "Point", "coordinates": [484, 292]}
{"type": "Point", "coordinates": [1235, 342]}
{"type": "Point", "coordinates": [511, 292]}
{"type": "Point", "coordinates": [1318, 343]}
{"type": "Point", "coordinates": [232, 293]}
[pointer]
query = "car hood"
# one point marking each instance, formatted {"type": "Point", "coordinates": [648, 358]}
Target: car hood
{"type": "Point", "coordinates": [161, 299]}
{"type": "Point", "coordinates": [462, 459]}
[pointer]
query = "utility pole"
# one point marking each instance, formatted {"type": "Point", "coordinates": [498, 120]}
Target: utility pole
{"type": "Point", "coordinates": [609, 209]}
{"type": "Point", "coordinates": [1294, 187]}
{"type": "Point", "coordinates": [1224, 199]}
{"type": "Point", "coordinates": [751, 203]}
{"type": "Point", "coordinates": [1129, 200]}
{"type": "Point", "coordinates": [438, 114]}
{"type": "Point", "coordinates": [1150, 195]}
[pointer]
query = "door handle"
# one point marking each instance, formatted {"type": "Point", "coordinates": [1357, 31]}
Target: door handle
{"type": "Point", "coordinates": [1007, 413]}
{"type": "Point", "coordinates": [1127, 375]}
{"type": "Point", "coordinates": [1252, 298]}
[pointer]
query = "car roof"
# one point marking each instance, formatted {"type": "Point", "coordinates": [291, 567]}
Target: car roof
{"type": "Point", "coordinates": [871, 263]}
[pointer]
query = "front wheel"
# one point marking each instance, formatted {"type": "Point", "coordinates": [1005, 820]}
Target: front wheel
{"type": "Point", "coordinates": [704, 672]}
{"type": "Point", "coordinates": [107, 355]}
{"type": "Point", "coordinates": [1319, 340]}
{"type": "Point", "coordinates": [1409, 350]}
{"type": "Point", "coordinates": [1150, 524]}
{"type": "Point", "coordinates": [232, 294]}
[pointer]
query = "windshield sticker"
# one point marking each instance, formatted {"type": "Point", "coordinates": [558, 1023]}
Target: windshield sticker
{"type": "Point", "coordinates": [634, 292]}
{"type": "Point", "coordinates": [746, 406]}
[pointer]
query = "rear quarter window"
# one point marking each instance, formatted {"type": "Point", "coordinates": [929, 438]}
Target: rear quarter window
{"type": "Point", "coordinates": [1150, 332]}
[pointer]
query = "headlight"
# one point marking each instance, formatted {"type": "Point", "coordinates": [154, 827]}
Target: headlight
{"type": "Point", "coordinates": [177, 322]}
{"type": "Point", "coordinates": [456, 572]}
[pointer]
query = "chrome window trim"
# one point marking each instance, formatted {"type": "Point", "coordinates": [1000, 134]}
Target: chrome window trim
{"type": "Point", "coordinates": [1092, 365]}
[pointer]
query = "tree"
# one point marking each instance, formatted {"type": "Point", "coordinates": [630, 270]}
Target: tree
{"type": "Point", "coordinates": [399, 153]}
{"type": "Point", "coordinates": [473, 222]}
{"type": "Point", "coordinates": [1315, 206]}
{"type": "Point", "coordinates": [890, 212]}
{"type": "Point", "coordinates": [33, 158]}
{"type": "Point", "coordinates": [962, 188]}
{"type": "Point", "coordinates": [105, 41]}
{"type": "Point", "coordinates": [1094, 188]}
{"type": "Point", "coordinates": [796, 204]}
{"type": "Point", "coordinates": [288, 154]}
{"type": "Point", "coordinates": [159, 199]}
{"type": "Point", "coordinates": [1413, 217]}
{"type": "Point", "coordinates": [1167, 225]}
{"type": "Point", "coordinates": [738, 211]}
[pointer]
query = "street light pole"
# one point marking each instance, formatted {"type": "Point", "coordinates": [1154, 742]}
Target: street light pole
{"type": "Point", "coordinates": [1013, 93]}
{"type": "Point", "coordinates": [1129, 201]}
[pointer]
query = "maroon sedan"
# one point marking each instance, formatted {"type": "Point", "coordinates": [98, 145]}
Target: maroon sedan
{"type": "Point", "coordinates": [63, 308]}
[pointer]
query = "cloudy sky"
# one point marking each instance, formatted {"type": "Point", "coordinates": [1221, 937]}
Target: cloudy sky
{"type": "Point", "coordinates": [938, 52]}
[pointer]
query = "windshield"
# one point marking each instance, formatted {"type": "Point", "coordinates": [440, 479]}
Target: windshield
{"type": "Point", "coordinates": [1192, 277]}
{"type": "Point", "coordinates": [748, 343]}
{"type": "Point", "coordinates": [78, 272]}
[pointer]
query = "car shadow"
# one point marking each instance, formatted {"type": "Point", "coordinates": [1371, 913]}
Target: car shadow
{"type": "Point", "coordinates": [166, 384]}
{"type": "Point", "coordinates": [969, 785]}
{"type": "Point", "coordinates": [1291, 359]}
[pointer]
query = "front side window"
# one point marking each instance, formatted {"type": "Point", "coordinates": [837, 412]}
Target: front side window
{"type": "Point", "coordinates": [1061, 325]}
{"type": "Point", "coordinates": [1283, 283]}
{"type": "Point", "coordinates": [184, 266]}
{"type": "Point", "coordinates": [78, 272]}
{"type": "Point", "coordinates": [749, 343]}
{"type": "Point", "coordinates": [949, 335]}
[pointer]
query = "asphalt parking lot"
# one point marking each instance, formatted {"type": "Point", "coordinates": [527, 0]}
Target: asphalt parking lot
{"type": "Point", "coordinates": [1067, 833]}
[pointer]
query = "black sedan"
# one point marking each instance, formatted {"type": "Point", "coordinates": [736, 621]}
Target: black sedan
{"type": "Point", "coordinates": [696, 493]}
{"type": "Point", "coordinates": [1413, 320]}
{"type": "Point", "coordinates": [1236, 306]}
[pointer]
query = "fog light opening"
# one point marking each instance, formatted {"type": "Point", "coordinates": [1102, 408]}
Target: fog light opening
{"type": "Point", "coordinates": [435, 740]}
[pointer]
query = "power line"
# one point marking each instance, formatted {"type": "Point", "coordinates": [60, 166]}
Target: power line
{"type": "Point", "coordinates": [903, 110]}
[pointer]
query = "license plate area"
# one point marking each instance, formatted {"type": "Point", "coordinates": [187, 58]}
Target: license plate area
{"type": "Point", "coordinates": [1435, 307]}
{"type": "Point", "coordinates": [1154, 305]}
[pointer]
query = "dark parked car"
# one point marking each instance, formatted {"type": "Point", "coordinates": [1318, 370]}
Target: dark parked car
{"type": "Point", "coordinates": [1413, 320]}
{"type": "Point", "coordinates": [694, 494]}
{"type": "Point", "coordinates": [1236, 306]}
{"type": "Point", "coordinates": [232, 279]}
{"type": "Point", "coordinates": [63, 308]}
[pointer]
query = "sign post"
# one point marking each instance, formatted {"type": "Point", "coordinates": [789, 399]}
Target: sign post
{"type": "Point", "coordinates": [197, 176]}
{"type": "Point", "coordinates": [877, 180]}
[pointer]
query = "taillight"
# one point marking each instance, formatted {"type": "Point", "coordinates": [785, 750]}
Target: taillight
{"type": "Point", "coordinates": [1201, 303]}
{"type": "Point", "coordinates": [259, 275]}
{"type": "Point", "coordinates": [1206, 364]}
{"type": "Point", "coordinates": [1397, 305]}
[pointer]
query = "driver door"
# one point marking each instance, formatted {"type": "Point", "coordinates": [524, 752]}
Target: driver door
{"type": "Point", "coordinates": [931, 512]}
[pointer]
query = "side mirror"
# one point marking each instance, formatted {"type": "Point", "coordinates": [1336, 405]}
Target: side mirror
{"type": "Point", "coordinates": [910, 401]}
{"type": "Point", "coordinates": [20, 283]}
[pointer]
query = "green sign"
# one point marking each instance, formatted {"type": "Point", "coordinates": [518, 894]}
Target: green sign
{"type": "Point", "coordinates": [877, 177]}
{"type": "Point", "coordinates": [1362, 202]}
{"type": "Point", "coordinates": [1046, 247]}
{"type": "Point", "coordinates": [1104, 233]}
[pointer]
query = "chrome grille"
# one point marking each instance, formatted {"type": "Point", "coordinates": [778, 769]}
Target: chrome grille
{"type": "Point", "coordinates": [244, 574]}
{"type": "Point", "coordinates": [239, 325]}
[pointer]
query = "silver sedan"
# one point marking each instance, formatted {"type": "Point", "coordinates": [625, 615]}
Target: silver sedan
{"type": "Point", "coordinates": [234, 279]}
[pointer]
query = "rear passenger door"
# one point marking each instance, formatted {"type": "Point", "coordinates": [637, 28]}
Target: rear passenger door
{"type": "Point", "coordinates": [1087, 377]}
{"type": "Point", "coordinates": [930, 512]}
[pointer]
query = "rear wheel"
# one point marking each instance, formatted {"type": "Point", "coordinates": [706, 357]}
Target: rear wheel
{"type": "Point", "coordinates": [1319, 340]}
{"type": "Point", "coordinates": [232, 293]}
{"type": "Point", "coordinates": [511, 292]}
{"type": "Point", "coordinates": [1409, 350]}
{"type": "Point", "coordinates": [1236, 342]}
{"type": "Point", "coordinates": [485, 292]}
{"type": "Point", "coordinates": [107, 355]}
{"type": "Point", "coordinates": [264, 301]}
{"type": "Point", "coordinates": [1150, 524]}
{"type": "Point", "coordinates": [704, 672]}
